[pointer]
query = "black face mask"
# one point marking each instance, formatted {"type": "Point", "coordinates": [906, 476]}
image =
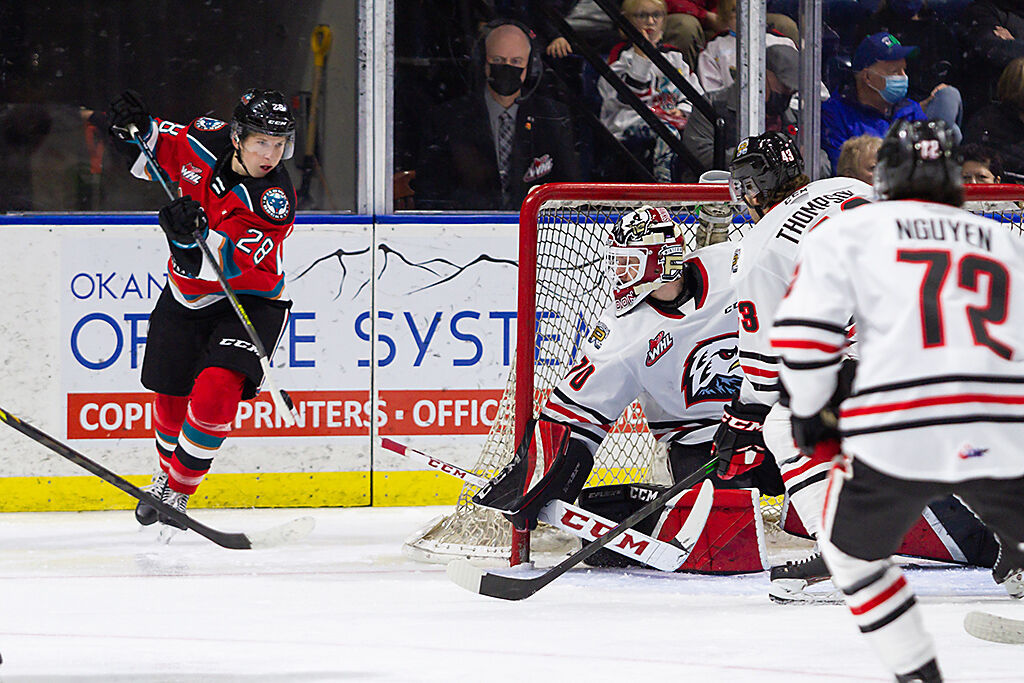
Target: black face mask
{"type": "Point", "coordinates": [505, 79]}
{"type": "Point", "coordinates": [777, 103]}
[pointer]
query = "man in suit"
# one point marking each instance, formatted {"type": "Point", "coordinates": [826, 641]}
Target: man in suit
{"type": "Point", "coordinates": [487, 149]}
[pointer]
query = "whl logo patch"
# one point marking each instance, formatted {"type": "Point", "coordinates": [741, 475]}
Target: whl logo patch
{"type": "Point", "coordinates": [191, 173]}
{"type": "Point", "coordinates": [275, 203]}
{"type": "Point", "coordinates": [660, 345]}
{"type": "Point", "coordinates": [540, 167]}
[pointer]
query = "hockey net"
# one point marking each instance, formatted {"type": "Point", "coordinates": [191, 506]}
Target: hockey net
{"type": "Point", "coordinates": [562, 290]}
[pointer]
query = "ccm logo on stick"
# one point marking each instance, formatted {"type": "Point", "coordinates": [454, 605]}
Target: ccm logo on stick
{"type": "Point", "coordinates": [596, 530]}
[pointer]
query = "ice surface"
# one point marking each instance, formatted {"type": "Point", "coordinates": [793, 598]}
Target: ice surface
{"type": "Point", "coordinates": [90, 597]}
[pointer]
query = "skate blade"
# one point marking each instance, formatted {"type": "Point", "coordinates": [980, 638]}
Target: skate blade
{"type": "Point", "coordinates": [167, 532]}
{"type": "Point", "coordinates": [799, 595]}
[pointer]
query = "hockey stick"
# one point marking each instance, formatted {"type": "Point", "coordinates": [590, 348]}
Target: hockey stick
{"type": "Point", "coordinates": [994, 628]}
{"type": "Point", "coordinates": [284, 533]}
{"type": "Point", "coordinates": [588, 525]}
{"type": "Point", "coordinates": [480, 581]}
{"type": "Point", "coordinates": [282, 401]}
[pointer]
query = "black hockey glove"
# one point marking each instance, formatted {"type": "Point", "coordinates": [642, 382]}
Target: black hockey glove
{"type": "Point", "coordinates": [129, 109]}
{"type": "Point", "coordinates": [817, 436]}
{"type": "Point", "coordinates": [180, 219]}
{"type": "Point", "coordinates": [739, 441]}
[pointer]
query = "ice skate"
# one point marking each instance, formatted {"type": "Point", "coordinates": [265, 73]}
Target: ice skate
{"type": "Point", "coordinates": [928, 673]}
{"type": "Point", "coordinates": [806, 581]}
{"type": "Point", "coordinates": [1010, 578]}
{"type": "Point", "coordinates": [178, 501]}
{"type": "Point", "coordinates": [145, 514]}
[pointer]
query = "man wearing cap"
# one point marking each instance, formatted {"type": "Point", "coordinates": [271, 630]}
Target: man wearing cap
{"type": "Point", "coordinates": [878, 96]}
{"type": "Point", "coordinates": [782, 78]}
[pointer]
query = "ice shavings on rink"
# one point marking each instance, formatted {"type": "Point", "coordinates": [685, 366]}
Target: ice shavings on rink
{"type": "Point", "coordinates": [91, 597]}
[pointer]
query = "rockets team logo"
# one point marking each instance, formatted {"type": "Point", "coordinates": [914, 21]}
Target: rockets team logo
{"type": "Point", "coordinates": [712, 370]}
{"type": "Point", "coordinates": [275, 203]}
{"type": "Point", "coordinates": [208, 124]}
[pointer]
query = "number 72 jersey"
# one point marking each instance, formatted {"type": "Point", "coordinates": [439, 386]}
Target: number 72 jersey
{"type": "Point", "coordinates": [937, 295]}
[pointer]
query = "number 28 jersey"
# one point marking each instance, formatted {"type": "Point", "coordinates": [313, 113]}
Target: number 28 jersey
{"type": "Point", "coordinates": [938, 299]}
{"type": "Point", "coordinates": [683, 367]}
{"type": "Point", "coordinates": [249, 220]}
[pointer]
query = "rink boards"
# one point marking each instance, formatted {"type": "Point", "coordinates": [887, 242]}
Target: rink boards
{"type": "Point", "coordinates": [410, 319]}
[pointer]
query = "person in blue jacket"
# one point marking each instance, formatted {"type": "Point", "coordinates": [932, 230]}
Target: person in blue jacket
{"type": "Point", "coordinates": [877, 97]}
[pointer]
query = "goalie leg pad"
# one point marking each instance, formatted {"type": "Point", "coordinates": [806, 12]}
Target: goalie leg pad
{"type": "Point", "coordinates": [732, 541]}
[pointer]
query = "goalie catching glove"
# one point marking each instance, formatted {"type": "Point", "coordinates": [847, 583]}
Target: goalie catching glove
{"type": "Point", "coordinates": [739, 441]}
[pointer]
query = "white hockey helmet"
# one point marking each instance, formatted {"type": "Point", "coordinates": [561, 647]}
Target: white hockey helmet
{"type": "Point", "coordinates": [645, 251]}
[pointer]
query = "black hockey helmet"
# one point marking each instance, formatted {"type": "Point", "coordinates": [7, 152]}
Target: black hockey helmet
{"type": "Point", "coordinates": [266, 112]}
{"type": "Point", "coordinates": [919, 160]}
{"type": "Point", "coordinates": [762, 165]}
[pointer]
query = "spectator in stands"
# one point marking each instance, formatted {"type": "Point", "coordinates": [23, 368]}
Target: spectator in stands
{"type": "Point", "coordinates": [1001, 125]}
{"type": "Point", "coordinates": [936, 71]}
{"type": "Point", "coordinates": [716, 64]}
{"type": "Point", "coordinates": [585, 17]}
{"type": "Point", "coordinates": [487, 149]}
{"type": "Point", "coordinates": [858, 156]}
{"type": "Point", "coordinates": [877, 97]}
{"type": "Point", "coordinates": [691, 24]}
{"type": "Point", "coordinates": [993, 36]}
{"type": "Point", "coordinates": [981, 165]}
{"type": "Point", "coordinates": [782, 74]}
{"type": "Point", "coordinates": [652, 87]}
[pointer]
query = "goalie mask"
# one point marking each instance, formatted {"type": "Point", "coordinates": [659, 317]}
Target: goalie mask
{"type": "Point", "coordinates": [645, 251]}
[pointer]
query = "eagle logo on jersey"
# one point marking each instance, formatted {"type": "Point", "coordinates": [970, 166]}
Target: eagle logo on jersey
{"type": "Point", "coordinates": [275, 203]}
{"type": "Point", "coordinates": [208, 124]}
{"type": "Point", "coordinates": [712, 370]}
{"type": "Point", "coordinates": [661, 343]}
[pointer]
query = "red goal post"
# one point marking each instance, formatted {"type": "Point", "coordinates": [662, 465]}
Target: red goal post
{"type": "Point", "coordinates": [563, 229]}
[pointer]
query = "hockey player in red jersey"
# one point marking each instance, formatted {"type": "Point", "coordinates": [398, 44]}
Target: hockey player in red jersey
{"type": "Point", "coordinates": [935, 407]}
{"type": "Point", "coordinates": [767, 174]}
{"type": "Point", "coordinates": [669, 338]}
{"type": "Point", "coordinates": [239, 197]}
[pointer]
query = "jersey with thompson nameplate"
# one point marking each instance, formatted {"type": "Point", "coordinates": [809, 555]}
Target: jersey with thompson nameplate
{"type": "Point", "coordinates": [762, 268]}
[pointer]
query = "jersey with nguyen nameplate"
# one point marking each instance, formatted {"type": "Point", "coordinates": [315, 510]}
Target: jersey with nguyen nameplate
{"type": "Point", "coordinates": [763, 266]}
{"type": "Point", "coordinates": [682, 366]}
{"type": "Point", "coordinates": [939, 303]}
{"type": "Point", "coordinates": [249, 217]}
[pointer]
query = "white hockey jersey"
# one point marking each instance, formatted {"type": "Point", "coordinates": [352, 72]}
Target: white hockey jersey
{"type": "Point", "coordinates": [683, 368]}
{"type": "Point", "coordinates": [762, 269]}
{"type": "Point", "coordinates": [939, 303]}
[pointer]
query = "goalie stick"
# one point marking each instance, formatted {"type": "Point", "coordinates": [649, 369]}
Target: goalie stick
{"type": "Point", "coordinates": [994, 628]}
{"type": "Point", "coordinates": [584, 524]}
{"type": "Point", "coordinates": [591, 527]}
{"type": "Point", "coordinates": [284, 533]}
{"type": "Point", "coordinates": [282, 401]}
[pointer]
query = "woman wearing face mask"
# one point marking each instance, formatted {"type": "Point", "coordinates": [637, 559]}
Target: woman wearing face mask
{"type": "Point", "coordinates": [651, 86]}
{"type": "Point", "coordinates": [877, 97]}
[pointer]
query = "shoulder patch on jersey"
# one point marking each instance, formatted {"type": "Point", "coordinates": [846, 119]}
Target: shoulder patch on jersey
{"type": "Point", "coordinates": [204, 123]}
{"type": "Point", "coordinates": [274, 203]}
{"type": "Point", "coordinates": [599, 334]}
{"type": "Point", "coordinates": [659, 345]}
{"type": "Point", "coordinates": [712, 370]}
